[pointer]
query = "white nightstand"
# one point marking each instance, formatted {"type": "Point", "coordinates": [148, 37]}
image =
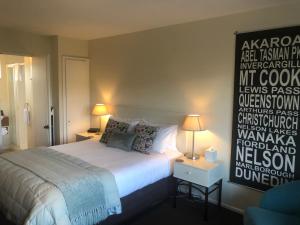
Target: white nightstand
{"type": "Point", "coordinates": [85, 136]}
{"type": "Point", "coordinates": [206, 177]}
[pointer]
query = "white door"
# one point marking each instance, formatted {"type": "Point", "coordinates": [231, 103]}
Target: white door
{"type": "Point", "coordinates": [40, 102]}
{"type": "Point", "coordinates": [77, 97]}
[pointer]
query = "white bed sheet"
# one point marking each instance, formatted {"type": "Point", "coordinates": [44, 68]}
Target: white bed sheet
{"type": "Point", "coordinates": [132, 170]}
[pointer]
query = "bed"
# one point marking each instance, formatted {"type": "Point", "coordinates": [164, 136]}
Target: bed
{"type": "Point", "coordinates": [148, 177]}
{"type": "Point", "coordinates": [132, 170]}
{"type": "Point", "coordinates": [142, 180]}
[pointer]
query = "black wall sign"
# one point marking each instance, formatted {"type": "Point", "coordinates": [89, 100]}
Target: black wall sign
{"type": "Point", "coordinates": [265, 133]}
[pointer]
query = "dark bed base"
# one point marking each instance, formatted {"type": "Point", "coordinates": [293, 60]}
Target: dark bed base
{"type": "Point", "coordinates": [142, 199]}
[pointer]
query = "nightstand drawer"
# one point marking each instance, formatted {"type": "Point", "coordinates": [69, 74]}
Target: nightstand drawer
{"type": "Point", "coordinates": [190, 174]}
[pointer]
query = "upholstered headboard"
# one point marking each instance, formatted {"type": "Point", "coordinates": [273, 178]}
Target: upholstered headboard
{"type": "Point", "coordinates": [154, 116]}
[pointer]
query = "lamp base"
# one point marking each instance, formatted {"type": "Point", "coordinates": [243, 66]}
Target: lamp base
{"type": "Point", "coordinates": [192, 156]}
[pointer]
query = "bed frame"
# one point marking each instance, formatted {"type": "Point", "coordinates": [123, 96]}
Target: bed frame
{"type": "Point", "coordinates": [141, 200]}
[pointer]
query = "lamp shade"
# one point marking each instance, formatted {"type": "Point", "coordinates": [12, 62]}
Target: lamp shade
{"type": "Point", "coordinates": [99, 110]}
{"type": "Point", "coordinates": [192, 123]}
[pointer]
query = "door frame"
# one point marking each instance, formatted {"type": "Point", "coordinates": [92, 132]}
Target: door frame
{"type": "Point", "coordinates": [48, 81]}
{"type": "Point", "coordinates": [50, 98]}
{"type": "Point", "coordinates": [63, 97]}
{"type": "Point", "coordinates": [47, 58]}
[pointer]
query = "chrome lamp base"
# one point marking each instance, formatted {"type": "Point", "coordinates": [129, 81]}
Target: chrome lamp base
{"type": "Point", "coordinates": [192, 156]}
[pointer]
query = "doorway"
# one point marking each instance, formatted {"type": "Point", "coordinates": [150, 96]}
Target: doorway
{"type": "Point", "coordinates": [24, 102]}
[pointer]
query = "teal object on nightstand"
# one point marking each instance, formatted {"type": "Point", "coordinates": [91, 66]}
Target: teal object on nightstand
{"type": "Point", "coordinates": [279, 206]}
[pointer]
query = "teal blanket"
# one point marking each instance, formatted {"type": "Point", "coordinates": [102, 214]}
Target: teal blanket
{"type": "Point", "coordinates": [90, 192]}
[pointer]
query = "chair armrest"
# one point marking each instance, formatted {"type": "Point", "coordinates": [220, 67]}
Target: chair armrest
{"type": "Point", "coordinates": [284, 198]}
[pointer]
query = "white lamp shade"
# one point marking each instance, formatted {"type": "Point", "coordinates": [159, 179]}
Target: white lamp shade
{"type": "Point", "coordinates": [192, 123]}
{"type": "Point", "coordinates": [99, 110]}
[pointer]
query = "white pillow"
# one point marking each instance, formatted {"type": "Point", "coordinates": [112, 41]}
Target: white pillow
{"type": "Point", "coordinates": [165, 139]}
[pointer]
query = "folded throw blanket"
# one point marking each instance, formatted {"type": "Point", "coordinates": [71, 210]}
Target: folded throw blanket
{"type": "Point", "coordinates": [90, 192]}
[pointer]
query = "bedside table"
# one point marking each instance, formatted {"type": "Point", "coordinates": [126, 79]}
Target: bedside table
{"type": "Point", "coordinates": [85, 136]}
{"type": "Point", "coordinates": [206, 177]}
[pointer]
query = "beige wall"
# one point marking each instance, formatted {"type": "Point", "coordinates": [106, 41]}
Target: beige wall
{"type": "Point", "coordinates": [23, 43]}
{"type": "Point", "coordinates": [183, 68]}
{"type": "Point", "coordinates": [72, 47]}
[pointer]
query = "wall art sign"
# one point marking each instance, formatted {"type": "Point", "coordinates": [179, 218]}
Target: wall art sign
{"type": "Point", "coordinates": [265, 133]}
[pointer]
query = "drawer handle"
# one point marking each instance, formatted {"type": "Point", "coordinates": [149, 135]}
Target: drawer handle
{"type": "Point", "coordinates": [188, 172]}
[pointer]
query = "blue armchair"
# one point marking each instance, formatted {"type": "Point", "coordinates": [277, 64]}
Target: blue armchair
{"type": "Point", "coordinates": [279, 206]}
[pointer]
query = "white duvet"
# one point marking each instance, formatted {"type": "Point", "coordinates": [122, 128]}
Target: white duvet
{"type": "Point", "coordinates": [132, 170]}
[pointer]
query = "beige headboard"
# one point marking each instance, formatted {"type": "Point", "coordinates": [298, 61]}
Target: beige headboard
{"type": "Point", "coordinates": [155, 116]}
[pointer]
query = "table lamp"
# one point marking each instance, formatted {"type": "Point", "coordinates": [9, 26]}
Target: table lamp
{"type": "Point", "coordinates": [192, 123]}
{"type": "Point", "coordinates": [99, 110]}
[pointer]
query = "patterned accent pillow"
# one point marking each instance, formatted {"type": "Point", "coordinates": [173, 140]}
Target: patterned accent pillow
{"type": "Point", "coordinates": [145, 137]}
{"type": "Point", "coordinates": [113, 126]}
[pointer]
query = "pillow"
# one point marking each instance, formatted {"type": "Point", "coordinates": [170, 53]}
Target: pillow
{"type": "Point", "coordinates": [144, 139]}
{"type": "Point", "coordinates": [132, 123]}
{"type": "Point", "coordinates": [113, 126]}
{"type": "Point", "coordinates": [165, 139]}
{"type": "Point", "coordinates": [122, 141]}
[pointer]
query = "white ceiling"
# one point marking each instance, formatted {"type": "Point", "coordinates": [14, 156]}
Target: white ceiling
{"type": "Point", "coordinates": [90, 19]}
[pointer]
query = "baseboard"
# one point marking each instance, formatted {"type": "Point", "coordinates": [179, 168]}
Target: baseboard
{"type": "Point", "coordinates": [227, 206]}
{"type": "Point", "coordinates": [215, 202]}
